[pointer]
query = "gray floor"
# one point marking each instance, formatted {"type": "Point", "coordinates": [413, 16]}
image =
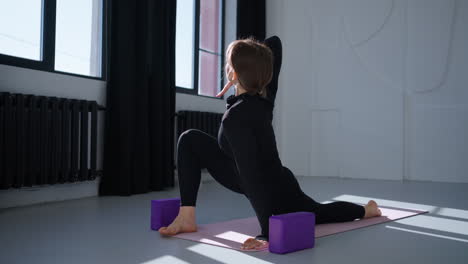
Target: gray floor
{"type": "Point", "coordinates": [116, 229]}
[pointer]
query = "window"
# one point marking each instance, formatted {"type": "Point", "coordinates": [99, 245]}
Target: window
{"type": "Point", "coordinates": [184, 43]}
{"type": "Point", "coordinates": [63, 36]}
{"type": "Point", "coordinates": [199, 46]}
{"type": "Point", "coordinates": [78, 37]}
{"type": "Point", "coordinates": [24, 38]}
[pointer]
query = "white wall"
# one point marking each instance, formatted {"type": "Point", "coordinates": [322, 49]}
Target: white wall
{"type": "Point", "coordinates": [22, 80]}
{"type": "Point", "coordinates": [373, 89]}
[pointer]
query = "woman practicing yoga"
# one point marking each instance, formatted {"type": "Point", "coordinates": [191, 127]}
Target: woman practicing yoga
{"type": "Point", "coordinates": [244, 158]}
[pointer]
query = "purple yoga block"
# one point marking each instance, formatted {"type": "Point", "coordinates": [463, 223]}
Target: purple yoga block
{"type": "Point", "coordinates": [163, 212]}
{"type": "Point", "coordinates": [291, 232]}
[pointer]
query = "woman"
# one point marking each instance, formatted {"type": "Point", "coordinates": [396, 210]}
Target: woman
{"type": "Point", "coordinates": [245, 158]}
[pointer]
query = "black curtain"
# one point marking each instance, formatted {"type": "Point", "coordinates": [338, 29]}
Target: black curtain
{"type": "Point", "coordinates": [139, 141]}
{"type": "Point", "coordinates": [251, 19]}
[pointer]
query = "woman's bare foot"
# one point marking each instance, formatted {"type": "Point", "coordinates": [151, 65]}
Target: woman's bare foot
{"type": "Point", "coordinates": [183, 223]}
{"type": "Point", "coordinates": [372, 209]}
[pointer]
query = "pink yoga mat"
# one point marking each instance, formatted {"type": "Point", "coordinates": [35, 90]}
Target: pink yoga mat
{"type": "Point", "coordinates": [231, 234]}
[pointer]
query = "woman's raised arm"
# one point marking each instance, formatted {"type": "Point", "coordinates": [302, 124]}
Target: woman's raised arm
{"type": "Point", "coordinates": [274, 43]}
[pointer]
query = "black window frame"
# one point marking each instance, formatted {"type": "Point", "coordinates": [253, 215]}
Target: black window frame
{"type": "Point", "coordinates": [197, 49]}
{"type": "Point", "coordinates": [47, 64]}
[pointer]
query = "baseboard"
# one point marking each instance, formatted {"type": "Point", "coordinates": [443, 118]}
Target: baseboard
{"type": "Point", "coordinates": [59, 192]}
{"type": "Point", "coordinates": [205, 177]}
{"type": "Point", "coordinates": [48, 193]}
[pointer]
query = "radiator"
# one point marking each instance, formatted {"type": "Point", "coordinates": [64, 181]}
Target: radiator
{"type": "Point", "coordinates": [46, 140]}
{"type": "Point", "coordinates": [206, 121]}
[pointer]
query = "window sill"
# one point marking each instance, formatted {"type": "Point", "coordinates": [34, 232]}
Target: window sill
{"type": "Point", "coordinates": [192, 92]}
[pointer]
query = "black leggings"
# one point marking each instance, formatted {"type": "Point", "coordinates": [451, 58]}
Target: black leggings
{"type": "Point", "coordinates": [197, 150]}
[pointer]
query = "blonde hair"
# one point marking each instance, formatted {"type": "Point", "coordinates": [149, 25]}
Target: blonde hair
{"type": "Point", "coordinates": [253, 63]}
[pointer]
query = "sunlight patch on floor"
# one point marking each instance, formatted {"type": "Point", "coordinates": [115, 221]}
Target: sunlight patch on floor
{"type": "Point", "coordinates": [434, 222]}
{"type": "Point", "coordinates": [442, 211]}
{"type": "Point", "coordinates": [206, 240]}
{"type": "Point", "coordinates": [234, 236]}
{"type": "Point", "coordinates": [166, 259]}
{"type": "Point", "coordinates": [437, 223]}
{"type": "Point", "coordinates": [384, 202]}
{"type": "Point", "coordinates": [451, 212]}
{"type": "Point", "coordinates": [224, 255]}
{"type": "Point", "coordinates": [427, 234]}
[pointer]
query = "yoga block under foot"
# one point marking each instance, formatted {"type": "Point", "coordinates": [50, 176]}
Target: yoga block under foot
{"type": "Point", "coordinates": [163, 212]}
{"type": "Point", "coordinates": [291, 232]}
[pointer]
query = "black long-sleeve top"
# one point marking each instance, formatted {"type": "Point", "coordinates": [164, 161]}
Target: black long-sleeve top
{"type": "Point", "coordinates": [247, 136]}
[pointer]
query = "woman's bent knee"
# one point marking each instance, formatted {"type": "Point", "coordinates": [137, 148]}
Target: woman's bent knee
{"type": "Point", "coordinates": [189, 136]}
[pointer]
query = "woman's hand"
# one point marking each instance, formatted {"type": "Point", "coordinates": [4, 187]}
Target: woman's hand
{"type": "Point", "coordinates": [253, 243]}
{"type": "Point", "coordinates": [226, 88]}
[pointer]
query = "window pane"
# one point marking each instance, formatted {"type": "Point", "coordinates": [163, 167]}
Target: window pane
{"type": "Point", "coordinates": [78, 40]}
{"type": "Point", "coordinates": [209, 25]}
{"type": "Point", "coordinates": [209, 74]}
{"type": "Point", "coordinates": [184, 43]}
{"type": "Point", "coordinates": [20, 28]}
